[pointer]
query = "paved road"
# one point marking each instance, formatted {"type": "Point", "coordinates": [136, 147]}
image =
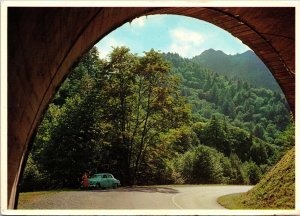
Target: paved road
{"type": "Point", "coordinates": [155, 197]}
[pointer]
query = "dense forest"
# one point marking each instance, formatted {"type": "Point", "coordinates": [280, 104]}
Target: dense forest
{"type": "Point", "coordinates": [245, 66]}
{"type": "Point", "coordinates": [157, 119]}
{"type": "Point", "coordinates": [259, 110]}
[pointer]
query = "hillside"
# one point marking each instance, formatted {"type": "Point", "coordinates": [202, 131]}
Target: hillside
{"type": "Point", "coordinates": [277, 188]}
{"type": "Point", "coordinates": [245, 66]}
{"type": "Point", "coordinates": [275, 191]}
{"type": "Point", "coordinates": [260, 110]}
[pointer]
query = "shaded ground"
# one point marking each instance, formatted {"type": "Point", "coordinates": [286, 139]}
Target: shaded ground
{"type": "Point", "coordinates": [155, 197]}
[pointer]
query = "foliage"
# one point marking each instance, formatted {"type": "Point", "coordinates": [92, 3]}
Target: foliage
{"type": "Point", "coordinates": [108, 116]}
{"type": "Point", "coordinates": [32, 178]}
{"type": "Point", "coordinates": [245, 66]}
{"type": "Point", "coordinates": [277, 188]}
{"type": "Point", "coordinates": [200, 165]}
{"type": "Point", "coordinates": [254, 172]}
{"type": "Point", "coordinates": [275, 191]}
{"type": "Point", "coordinates": [286, 139]}
{"type": "Point", "coordinates": [262, 111]}
{"type": "Point", "coordinates": [149, 121]}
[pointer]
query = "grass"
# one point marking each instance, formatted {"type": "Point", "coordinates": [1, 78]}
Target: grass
{"type": "Point", "coordinates": [275, 191]}
{"type": "Point", "coordinates": [232, 201]}
{"type": "Point", "coordinates": [30, 197]}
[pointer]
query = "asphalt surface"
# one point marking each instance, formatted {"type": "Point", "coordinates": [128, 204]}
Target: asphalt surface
{"type": "Point", "coordinates": [152, 197]}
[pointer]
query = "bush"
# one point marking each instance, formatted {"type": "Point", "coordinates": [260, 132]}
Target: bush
{"type": "Point", "coordinates": [200, 165]}
{"type": "Point", "coordinates": [253, 172]}
{"type": "Point", "coordinates": [33, 179]}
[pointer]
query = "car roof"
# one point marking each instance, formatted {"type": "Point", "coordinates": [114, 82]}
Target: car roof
{"type": "Point", "coordinates": [103, 174]}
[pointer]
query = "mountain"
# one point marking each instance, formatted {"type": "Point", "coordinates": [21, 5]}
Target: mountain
{"type": "Point", "coordinates": [260, 110]}
{"type": "Point", "coordinates": [246, 66]}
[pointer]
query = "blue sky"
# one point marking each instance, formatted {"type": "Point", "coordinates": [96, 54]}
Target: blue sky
{"type": "Point", "coordinates": [171, 33]}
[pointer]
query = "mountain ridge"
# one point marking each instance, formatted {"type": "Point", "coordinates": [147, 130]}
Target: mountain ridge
{"type": "Point", "coordinates": [246, 66]}
{"type": "Point", "coordinates": [253, 108]}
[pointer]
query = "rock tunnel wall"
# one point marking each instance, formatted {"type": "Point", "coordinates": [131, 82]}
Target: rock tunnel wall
{"type": "Point", "coordinates": [44, 44]}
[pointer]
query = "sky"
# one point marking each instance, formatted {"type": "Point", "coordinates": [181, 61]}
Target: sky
{"type": "Point", "coordinates": [171, 33]}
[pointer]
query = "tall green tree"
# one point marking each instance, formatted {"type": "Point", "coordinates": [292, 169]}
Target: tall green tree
{"type": "Point", "coordinates": [142, 101]}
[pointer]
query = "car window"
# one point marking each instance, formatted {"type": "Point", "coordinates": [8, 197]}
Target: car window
{"type": "Point", "coordinates": [104, 176]}
{"type": "Point", "coordinates": [109, 176]}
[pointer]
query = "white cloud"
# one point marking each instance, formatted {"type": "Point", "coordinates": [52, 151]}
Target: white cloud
{"type": "Point", "coordinates": [187, 36]}
{"type": "Point", "coordinates": [139, 22]}
{"type": "Point", "coordinates": [106, 44]}
{"type": "Point", "coordinates": [185, 42]}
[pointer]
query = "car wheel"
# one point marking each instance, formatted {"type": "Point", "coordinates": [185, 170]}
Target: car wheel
{"type": "Point", "coordinates": [98, 185]}
{"type": "Point", "coordinates": [115, 186]}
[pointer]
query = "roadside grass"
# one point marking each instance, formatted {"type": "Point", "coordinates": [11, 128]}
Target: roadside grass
{"type": "Point", "coordinates": [232, 201]}
{"type": "Point", "coordinates": [29, 197]}
{"type": "Point", "coordinates": [275, 191]}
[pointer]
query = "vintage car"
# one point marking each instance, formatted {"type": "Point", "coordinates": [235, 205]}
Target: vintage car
{"type": "Point", "coordinates": [103, 180]}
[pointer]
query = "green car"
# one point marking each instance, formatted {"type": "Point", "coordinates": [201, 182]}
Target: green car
{"type": "Point", "coordinates": [103, 180]}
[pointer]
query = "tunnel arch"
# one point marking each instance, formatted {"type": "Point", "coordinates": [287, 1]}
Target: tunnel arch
{"type": "Point", "coordinates": [44, 43]}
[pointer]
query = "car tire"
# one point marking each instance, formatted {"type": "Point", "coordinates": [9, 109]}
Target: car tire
{"type": "Point", "coordinates": [98, 185]}
{"type": "Point", "coordinates": [115, 186]}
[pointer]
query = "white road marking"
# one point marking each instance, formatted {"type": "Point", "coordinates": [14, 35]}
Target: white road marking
{"type": "Point", "coordinates": [173, 201]}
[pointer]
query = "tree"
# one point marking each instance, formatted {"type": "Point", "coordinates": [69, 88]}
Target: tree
{"type": "Point", "coordinates": [201, 164]}
{"type": "Point", "coordinates": [68, 142]}
{"type": "Point", "coordinates": [216, 136]}
{"type": "Point", "coordinates": [33, 179]}
{"type": "Point", "coordinates": [159, 104]}
{"type": "Point", "coordinates": [258, 153]}
{"type": "Point", "coordinates": [259, 131]}
{"type": "Point", "coordinates": [253, 172]}
{"type": "Point", "coordinates": [143, 100]}
{"type": "Point", "coordinates": [286, 139]}
{"type": "Point", "coordinates": [238, 174]}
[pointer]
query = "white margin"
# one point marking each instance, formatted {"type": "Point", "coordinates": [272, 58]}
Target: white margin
{"type": "Point", "coordinates": [3, 104]}
{"type": "Point", "coordinates": [297, 105]}
{"type": "Point", "coordinates": [151, 212]}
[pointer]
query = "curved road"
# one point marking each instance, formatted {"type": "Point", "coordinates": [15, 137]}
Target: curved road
{"type": "Point", "coordinates": [151, 197]}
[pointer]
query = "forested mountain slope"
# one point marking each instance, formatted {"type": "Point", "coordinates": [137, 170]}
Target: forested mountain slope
{"type": "Point", "coordinates": [245, 66]}
{"type": "Point", "coordinates": [259, 110]}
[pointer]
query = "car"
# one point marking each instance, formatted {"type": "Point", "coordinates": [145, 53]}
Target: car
{"type": "Point", "coordinates": [103, 180]}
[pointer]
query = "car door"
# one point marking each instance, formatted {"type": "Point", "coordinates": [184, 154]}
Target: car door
{"type": "Point", "coordinates": [109, 181]}
{"type": "Point", "coordinates": [105, 181]}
